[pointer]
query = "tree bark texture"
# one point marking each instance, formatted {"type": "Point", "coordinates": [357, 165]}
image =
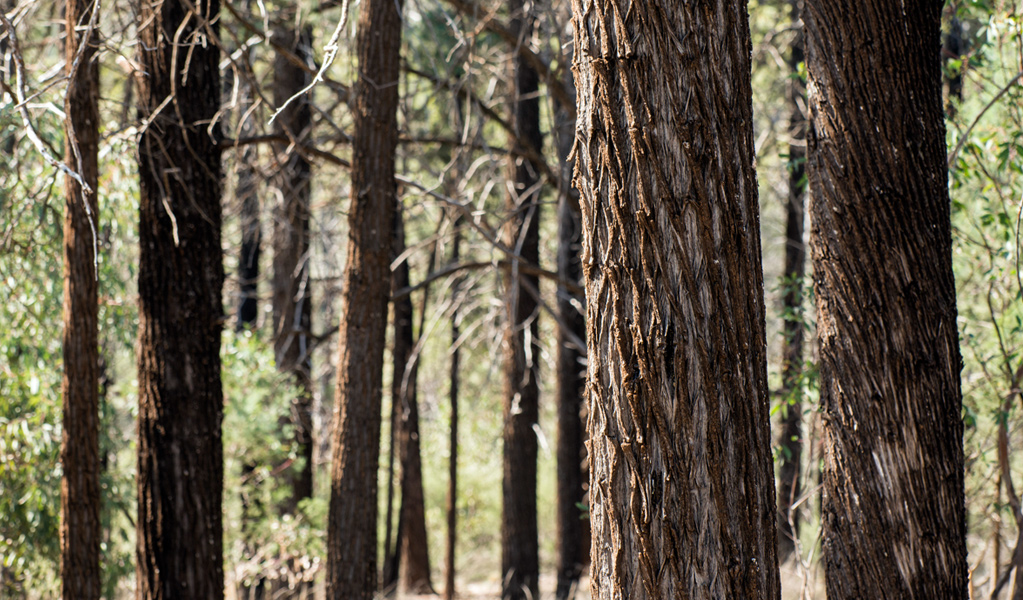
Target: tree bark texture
{"type": "Point", "coordinates": [79, 448]}
{"type": "Point", "coordinates": [181, 275]}
{"type": "Point", "coordinates": [893, 510]}
{"type": "Point", "coordinates": [292, 296]}
{"type": "Point", "coordinates": [352, 520]}
{"type": "Point", "coordinates": [573, 531]}
{"type": "Point", "coordinates": [682, 500]}
{"type": "Point", "coordinates": [412, 544]}
{"type": "Point", "coordinates": [520, 566]}
{"type": "Point", "coordinates": [791, 440]}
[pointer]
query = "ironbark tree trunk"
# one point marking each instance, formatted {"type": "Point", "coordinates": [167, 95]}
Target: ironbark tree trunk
{"type": "Point", "coordinates": [352, 520]}
{"type": "Point", "coordinates": [682, 499]}
{"type": "Point", "coordinates": [79, 448]}
{"type": "Point", "coordinates": [791, 440]}
{"type": "Point", "coordinates": [893, 511]}
{"type": "Point", "coordinates": [292, 296]}
{"type": "Point", "coordinates": [181, 275]}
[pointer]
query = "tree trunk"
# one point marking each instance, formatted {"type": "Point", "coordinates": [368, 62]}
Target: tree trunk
{"type": "Point", "coordinates": [682, 500]}
{"type": "Point", "coordinates": [292, 296]}
{"type": "Point", "coordinates": [954, 48]}
{"type": "Point", "coordinates": [79, 448]}
{"type": "Point", "coordinates": [520, 567]}
{"type": "Point", "coordinates": [411, 540]}
{"type": "Point", "coordinates": [893, 511]}
{"type": "Point", "coordinates": [791, 441]}
{"type": "Point", "coordinates": [248, 197]}
{"type": "Point", "coordinates": [181, 275]}
{"type": "Point", "coordinates": [452, 498]}
{"type": "Point", "coordinates": [352, 520]}
{"type": "Point", "coordinates": [573, 523]}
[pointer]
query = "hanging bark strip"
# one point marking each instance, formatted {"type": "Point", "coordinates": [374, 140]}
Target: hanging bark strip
{"type": "Point", "coordinates": [181, 275]}
{"type": "Point", "coordinates": [352, 519]}
{"type": "Point", "coordinates": [79, 448]}
{"type": "Point", "coordinates": [682, 499]}
{"type": "Point", "coordinates": [893, 511]}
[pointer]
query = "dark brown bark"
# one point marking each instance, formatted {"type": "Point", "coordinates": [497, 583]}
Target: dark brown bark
{"type": "Point", "coordinates": [79, 447]}
{"type": "Point", "coordinates": [573, 527]}
{"type": "Point", "coordinates": [682, 500]}
{"type": "Point", "coordinates": [791, 439]}
{"type": "Point", "coordinates": [452, 497]}
{"type": "Point", "coordinates": [352, 521]}
{"type": "Point", "coordinates": [520, 567]}
{"type": "Point", "coordinates": [181, 275]}
{"type": "Point", "coordinates": [893, 510]}
{"type": "Point", "coordinates": [292, 296]}
{"type": "Point", "coordinates": [411, 540]}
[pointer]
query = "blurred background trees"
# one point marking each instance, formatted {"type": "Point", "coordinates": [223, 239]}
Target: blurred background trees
{"type": "Point", "coordinates": [285, 199]}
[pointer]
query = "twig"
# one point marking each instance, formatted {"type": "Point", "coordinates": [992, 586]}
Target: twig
{"type": "Point", "coordinates": [331, 53]}
{"type": "Point", "coordinates": [966, 134]}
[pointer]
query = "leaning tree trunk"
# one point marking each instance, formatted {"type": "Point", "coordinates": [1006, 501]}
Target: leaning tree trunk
{"type": "Point", "coordinates": [791, 442]}
{"type": "Point", "coordinates": [79, 448]}
{"type": "Point", "coordinates": [682, 498]}
{"type": "Point", "coordinates": [180, 455]}
{"type": "Point", "coordinates": [292, 296]}
{"type": "Point", "coordinates": [893, 510]}
{"type": "Point", "coordinates": [352, 519]}
{"type": "Point", "coordinates": [412, 544]}
{"type": "Point", "coordinates": [520, 565]}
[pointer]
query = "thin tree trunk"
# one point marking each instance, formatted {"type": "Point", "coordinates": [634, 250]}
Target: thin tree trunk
{"type": "Point", "coordinates": [682, 500]}
{"type": "Point", "coordinates": [248, 197]}
{"type": "Point", "coordinates": [79, 448]}
{"type": "Point", "coordinates": [452, 498]}
{"type": "Point", "coordinates": [791, 441]}
{"type": "Point", "coordinates": [412, 541]}
{"type": "Point", "coordinates": [893, 513]}
{"type": "Point", "coordinates": [181, 275]}
{"type": "Point", "coordinates": [572, 522]}
{"type": "Point", "coordinates": [292, 296]}
{"type": "Point", "coordinates": [520, 568]}
{"type": "Point", "coordinates": [352, 520]}
{"type": "Point", "coordinates": [953, 49]}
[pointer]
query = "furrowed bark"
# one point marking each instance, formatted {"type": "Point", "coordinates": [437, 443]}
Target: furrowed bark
{"type": "Point", "coordinates": [682, 499]}
{"type": "Point", "coordinates": [893, 510]}
{"type": "Point", "coordinates": [352, 520]}
{"type": "Point", "coordinates": [181, 275]}
{"type": "Point", "coordinates": [79, 448]}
